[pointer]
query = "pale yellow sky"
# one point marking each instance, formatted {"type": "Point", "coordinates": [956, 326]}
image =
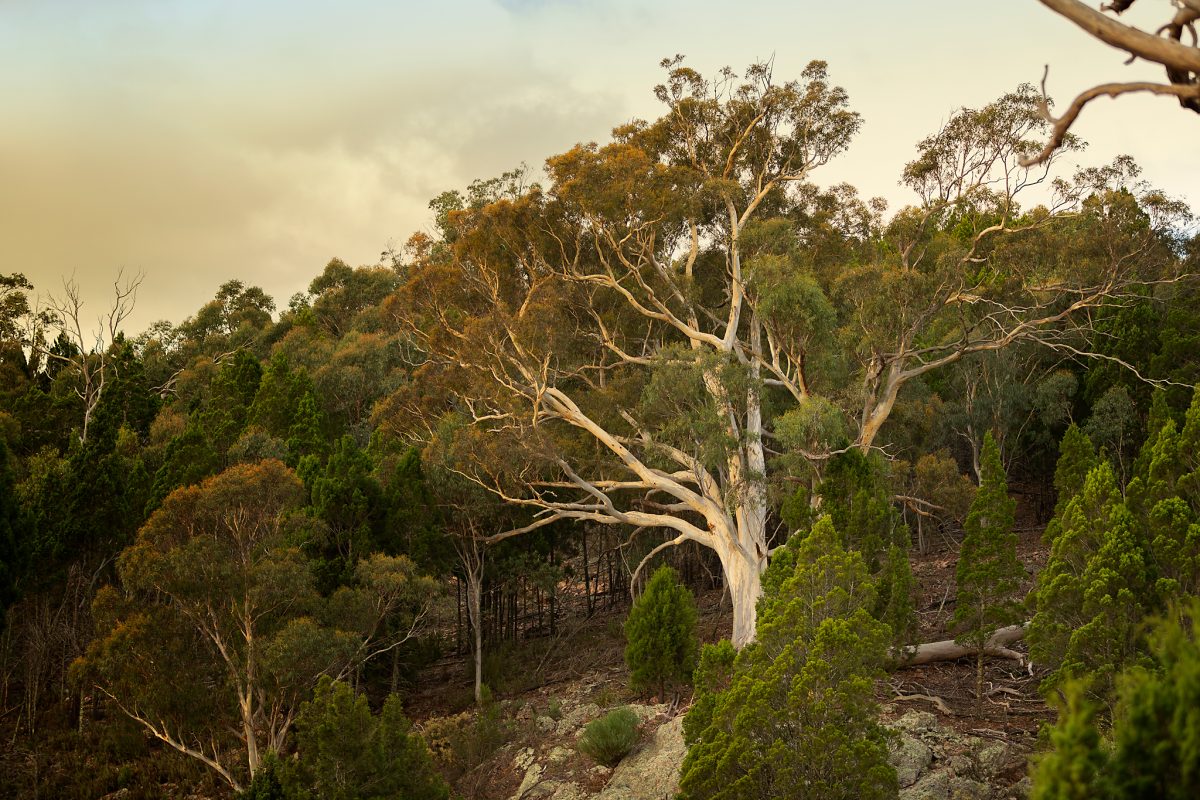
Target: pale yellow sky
{"type": "Point", "coordinates": [202, 141]}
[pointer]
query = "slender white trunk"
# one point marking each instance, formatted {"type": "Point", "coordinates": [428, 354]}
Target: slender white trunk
{"type": "Point", "coordinates": [743, 577]}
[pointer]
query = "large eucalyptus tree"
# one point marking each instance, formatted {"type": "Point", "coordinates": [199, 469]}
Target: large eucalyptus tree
{"type": "Point", "coordinates": [635, 342]}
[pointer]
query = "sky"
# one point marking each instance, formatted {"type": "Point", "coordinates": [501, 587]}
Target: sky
{"type": "Point", "coordinates": [196, 141]}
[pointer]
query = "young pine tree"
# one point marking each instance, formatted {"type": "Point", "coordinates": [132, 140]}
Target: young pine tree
{"type": "Point", "coordinates": [1093, 592]}
{"type": "Point", "coordinates": [344, 752]}
{"type": "Point", "coordinates": [894, 602]}
{"type": "Point", "coordinates": [988, 573]}
{"type": "Point", "coordinates": [660, 634]}
{"type": "Point", "coordinates": [1076, 458]}
{"type": "Point", "coordinates": [1073, 769]}
{"type": "Point", "coordinates": [793, 715]}
{"type": "Point", "coordinates": [1153, 748]}
{"type": "Point", "coordinates": [1164, 496]}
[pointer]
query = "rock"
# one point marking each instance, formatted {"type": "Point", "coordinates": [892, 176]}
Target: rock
{"type": "Point", "coordinates": [577, 717]}
{"type": "Point", "coordinates": [1022, 788]}
{"type": "Point", "coordinates": [910, 757]}
{"type": "Point", "coordinates": [992, 758]}
{"type": "Point", "coordinates": [966, 789]}
{"type": "Point", "coordinates": [916, 722]}
{"type": "Point", "coordinates": [558, 755]}
{"type": "Point", "coordinates": [961, 765]}
{"type": "Point", "coordinates": [545, 724]}
{"type": "Point", "coordinates": [532, 776]}
{"type": "Point", "coordinates": [646, 713]}
{"type": "Point", "coordinates": [650, 772]}
{"type": "Point", "coordinates": [558, 790]}
{"type": "Point", "coordinates": [524, 759]}
{"type": "Point", "coordinates": [934, 786]}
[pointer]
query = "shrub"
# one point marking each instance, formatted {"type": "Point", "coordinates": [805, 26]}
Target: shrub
{"type": "Point", "coordinates": [554, 709]}
{"type": "Point", "coordinates": [1153, 749]}
{"type": "Point", "coordinates": [661, 634]}
{"type": "Point", "coordinates": [609, 739]}
{"type": "Point", "coordinates": [793, 715]}
{"type": "Point", "coordinates": [464, 741]}
{"type": "Point", "coordinates": [347, 753]}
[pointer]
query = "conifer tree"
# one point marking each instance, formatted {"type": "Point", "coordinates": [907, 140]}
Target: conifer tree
{"type": "Point", "coordinates": [894, 604]}
{"type": "Point", "coordinates": [660, 634]}
{"type": "Point", "coordinates": [798, 717]}
{"type": "Point", "coordinates": [855, 495]}
{"type": "Point", "coordinates": [304, 436]}
{"type": "Point", "coordinates": [988, 573]}
{"type": "Point", "coordinates": [1164, 496]}
{"type": "Point", "coordinates": [1076, 459]}
{"type": "Point", "coordinates": [1093, 592]}
{"type": "Point", "coordinates": [1073, 769]}
{"type": "Point", "coordinates": [344, 752]}
{"type": "Point", "coordinates": [1153, 748]}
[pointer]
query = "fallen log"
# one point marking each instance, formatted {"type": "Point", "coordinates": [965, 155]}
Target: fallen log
{"type": "Point", "coordinates": [950, 650]}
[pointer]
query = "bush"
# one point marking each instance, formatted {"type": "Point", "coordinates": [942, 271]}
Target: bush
{"type": "Point", "coordinates": [464, 741]}
{"type": "Point", "coordinates": [793, 715]}
{"type": "Point", "coordinates": [661, 634]}
{"type": "Point", "coordinates": [1153, 747]}
{"type": "Point", "coordinates": [347, 753]}
{"type": "Point", "coordinates": [609, 739]}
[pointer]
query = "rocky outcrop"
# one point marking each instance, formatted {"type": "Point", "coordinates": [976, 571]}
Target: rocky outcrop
{"type": "Point", "coordinates": [651, 771]}
{"type": "Point", "coordinates": [934, 762]}
{"type": "Point", "coordinates": [557, 771]}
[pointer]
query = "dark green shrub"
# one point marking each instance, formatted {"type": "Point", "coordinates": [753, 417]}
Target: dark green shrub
{"type": "Point", "coordinates": [1153, 748]}
{"type": "Point", "coordinates": [347, 753]}
{"type": "Point", "coordinates": [660, 634]}
{"type": "Point", "coordinates": [609, 739]}
{"type": "Point", "coordinates": [793, 715]}
{"type": "Point", "coordinates": [266, 784]}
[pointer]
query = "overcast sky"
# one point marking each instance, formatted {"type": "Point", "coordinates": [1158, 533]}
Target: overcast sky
{"type": "Point", "coordinates": [201, 140]}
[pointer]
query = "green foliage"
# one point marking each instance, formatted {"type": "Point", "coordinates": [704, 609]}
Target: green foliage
{"type": "Point", "coordinates": [462, 742]}
{"type": "Point", "coordinates": [266, 784]}
{"type": "Point", "coordinates": [1073, 769]}
{"type": "Point", "coordinates": [894, 604]}
{"type": "Point", "coordinates": [305, 437]}
{"type": "Point", "coordinates": [13, 532]}
{"type": "Point", "coordinates": [660, 634]}
{"type": "Point", "coordinates": [1164, 496]}
{"type": "Point", "coordinates": [988, 573]}
{"type": "Point", "coordinates": [610, 738]}
{"type": "Point", "coordinates": [344, 752]}
{"type": "Point", "coordinates": [1077, 457]}
{"type": "Point", "coordinates": [217, 626]}
{"type": "Point", "coordinates": [347, 499]}
{"type": "Point", "coordinates": [1153, 749]}
{"type": "Point", "coordinates": [856, 496]}
{"type": "Point", "coordinates": [793, 714]}
{"type": "Point", "coordinates": [713, 675]}
{"type": "Point", "coordinates": [1095, 588]}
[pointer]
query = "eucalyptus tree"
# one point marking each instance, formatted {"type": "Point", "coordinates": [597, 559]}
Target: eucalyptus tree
{"type": "Point", "coordinates": [605, 325]}
{"type": "Point", "coordinates": [634, 343]}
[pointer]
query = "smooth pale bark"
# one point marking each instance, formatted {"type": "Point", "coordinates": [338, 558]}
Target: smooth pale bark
{"type": "Point", "coordinates": [950, 650]}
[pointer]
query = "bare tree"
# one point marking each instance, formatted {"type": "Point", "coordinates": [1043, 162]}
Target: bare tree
{"type": "Point", "coordinates": [1165, 47]}
{"type": "Point", "coordinates": [92, 361]}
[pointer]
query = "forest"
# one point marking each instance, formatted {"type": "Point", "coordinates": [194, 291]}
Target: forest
{"type": "Point", "coordinates": [662, 436]}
